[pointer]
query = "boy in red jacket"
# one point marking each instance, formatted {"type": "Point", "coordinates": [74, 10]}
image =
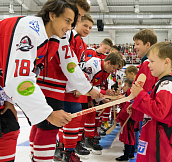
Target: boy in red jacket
{"type": "Point", "coordinates": [155, 141]}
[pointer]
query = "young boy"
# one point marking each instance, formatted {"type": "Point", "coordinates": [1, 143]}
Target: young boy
{"type": "Point", "coordinates": [155, 141]}
{"type": "Point", "coordinates": [127, 136]}
{"type": "Point", "coordinates": [144, 39]}
{"type": "Point", "coordinates": [24, 40]}
{"type": "Point", "coordinates": [131, 72]}
{"type": "Point", "coordinates": [102, 51]}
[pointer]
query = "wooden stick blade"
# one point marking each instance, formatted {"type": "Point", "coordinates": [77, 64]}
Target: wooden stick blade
{"type": "Point", "coordinates": [141, 79]}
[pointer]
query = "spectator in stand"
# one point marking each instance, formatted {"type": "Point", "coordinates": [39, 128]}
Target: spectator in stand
{"type": "Point", "coordinates": [119, 46]}
{"type": "Point", "coordinates": [123, 49]}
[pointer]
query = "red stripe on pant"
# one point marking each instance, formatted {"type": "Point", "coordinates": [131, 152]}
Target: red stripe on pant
{"type": "Point", "coordinates": [8, 146]}
{"type": "Point", "coordinates": [70, 133]}
{"type": "Point", "coordinates": [106, 114]}
{"type": "Point", "coordinates": [90, 124]}
{"type": "Point", "coordinates": [81, 127]}
{"type": "Point", "coordinates": [44, 144]}
{"type": "Point", "coordinates": [98, 119]}
{"type": "Point", "coordinates": [31, 137]}
{"type": "Point", "coordinates": [60, 135]}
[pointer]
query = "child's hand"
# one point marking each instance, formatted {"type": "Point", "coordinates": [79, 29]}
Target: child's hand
{"type": "Point", "coordinates": [129, 109]}
{"type": "Point", "coordinates": [120, 96]}
{"type": "Point", "coordinates": [136, 89]}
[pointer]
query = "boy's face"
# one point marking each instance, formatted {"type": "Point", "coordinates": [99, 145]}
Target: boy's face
{"type": "Point", "coordinates": [61, 24]}
{"type": "Point", "coordinates": [129, 75]}
{"type": "Point", "coordinates": [104, 48]}
{"type": "Point", "coordinates": [141, 49]}
{"type": "Point", "coordinates": [110, 68]}
{"type": "Point", "coordinates": [157, 65]}
{"type": "Point", "coordinates": [125, 87]}
{"type": "Point", "coordinates": [83, 28]}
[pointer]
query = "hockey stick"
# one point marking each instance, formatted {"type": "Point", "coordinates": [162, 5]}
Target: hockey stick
{"type": "Point", "coordinates": [141, 79]}
{"type": "Point", "coordinates": [114, 125]}
{"type": "Point", "coordinates": [119, 88]}
{"type": "Point", "coordinates": [120, 131]}
{"type": "Point", "coordinates": [119, 85]}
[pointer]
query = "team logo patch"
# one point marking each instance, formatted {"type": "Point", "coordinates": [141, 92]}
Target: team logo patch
{"type": "Point", "coordinates": [142, 147]}
{"type": "Point", "coordinates": [26, 88]}
{"type": "Point", "coordinates": [34, 25]}
{"type": "Point", "coordinates": [88, 70]}
{"type": "Point", "coordinates": [164, 83]}
{"type": "Point", "coordinates": [97, 79]}
{"type": "Point", "coordinates": [25, 44]}
{"type": "Point", "coordinates": [110, 77]}
{"type": "Point", "coordinates": [95, 63]}
{"type": "Point", "coordinates": [40, 57]}
{"type": "Point", "coordinates": [71, 67]}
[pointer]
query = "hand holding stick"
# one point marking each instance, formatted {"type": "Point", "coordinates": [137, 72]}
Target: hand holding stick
{"type": "Point", "coordinates": [104, 96]}
{"type": "Point", "coordinates": [141, 80]}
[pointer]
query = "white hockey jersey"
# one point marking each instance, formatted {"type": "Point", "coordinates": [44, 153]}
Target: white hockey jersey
{"type": "Point", "coordinates": [23, 39]}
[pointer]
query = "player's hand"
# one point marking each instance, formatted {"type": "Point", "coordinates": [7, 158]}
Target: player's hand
{"type": "Point", "coordinates": [76, 93]}
{"type": "Point", "coordinates": [136, 89]}
{"type": "Point", "coordinates": [95, 94]}
{"type": "Point", "coordinates": [129, 109]}
{"type": "Point", "coordinates": [59, 118]}
{"type": "Point", "coordinates": [105, 100]}
{"type": "Point", "coordinates": [90, 104]}
{"type": "Point", "coordinates": [120, 96]}
{"type": "Point", "coordinates": [110, 92]}
{"type": "Point", "coordinates": [116, 93]}
{"type": "Point", "coordinates": [10, 106]}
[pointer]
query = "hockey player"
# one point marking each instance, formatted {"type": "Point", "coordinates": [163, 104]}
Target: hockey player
{"type": "Point", "coordinates": [97, 71]}
{"type": "Point", "coordinates": [23, 39]}
{"type": "Point", "coordinates": [52, 80]}
{"type": "Point", "coordinates": [72, 103]}
{"type": "Point", "coordinates": [102, 51]}
{"type": "Point", "coordinates": [155, 141]}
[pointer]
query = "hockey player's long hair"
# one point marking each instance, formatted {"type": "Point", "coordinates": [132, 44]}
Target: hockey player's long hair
{"type": "Point", "coordinates": [57, 7]}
